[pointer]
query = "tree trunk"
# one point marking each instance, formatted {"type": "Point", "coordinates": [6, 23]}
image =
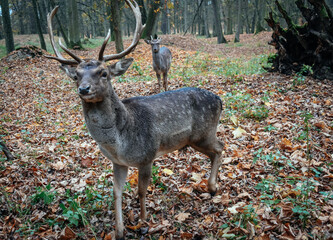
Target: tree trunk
{"type": "Point", "coordinates": [7, 26]}
{"type": "Point", "coordinates": [259, 27]}
{"type": "Point", "coordinates": [206, 19]}
{"type": "Point", "coordinates": [74, 29]}
{"type": "Point", "coordinates": [218, 26]}
{"type": "Point", "coordinates": [39, 27]}
{"type": "Point", "coordinates": [143, 11]}
{"type": "Point", "coordinates": [246, 17]}
{"type": "Point", "coordinates": [239, 13]}
{"type": "Point", "coordinates": [307, 49]}
{"type": "Point", "coordinates": [229, 22]}
{"type": "Point", "coordinates": [151, 19]}
{"type": "Point", "coordinates": [116, 14]}
{"type": "Point", "coordinates": [165, 20]}
{"type": "Point", "coordinates": [185, 16]}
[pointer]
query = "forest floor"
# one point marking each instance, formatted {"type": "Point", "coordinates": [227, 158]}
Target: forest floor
{"type": "Point", "coordinates": [275, 181]}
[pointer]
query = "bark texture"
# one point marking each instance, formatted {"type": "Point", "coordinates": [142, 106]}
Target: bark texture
{"type": "Point", "coordinates": [310, 44]}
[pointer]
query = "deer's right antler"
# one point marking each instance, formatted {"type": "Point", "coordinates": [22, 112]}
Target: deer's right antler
{"type": "Point", "coordinates": [76, 60]}
{"type": "Point", "coordinates": [137, 34]}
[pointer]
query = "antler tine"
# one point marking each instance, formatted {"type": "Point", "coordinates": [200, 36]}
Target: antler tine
{"type": "Point", "coordinates": [58, 57]}
{"type": "Point", "coordinates": [137, 34]}
{"type": "Point", "coordinates": [151, 37]}
{"type": "Point", "coordinates": [101, 51]}
{"type": "Point", "coordinates": [77, 59]}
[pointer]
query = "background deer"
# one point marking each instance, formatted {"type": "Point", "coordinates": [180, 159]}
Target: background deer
{"type": "Point", "coordinates": [134, 131]}
{"type": "Point", "coordinates": [161, 61]}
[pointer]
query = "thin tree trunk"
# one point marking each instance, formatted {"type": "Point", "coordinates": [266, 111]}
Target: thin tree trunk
{"type": "Point", "coordinates": [116, 13]}
{"type": "Point", "coordinates": [74, 33]}
{"type": "Point", "coordinates": [7, 26]}
{"type": "Point", "coordinates": [206, 19]}
{"type": "Point", "coordinates": [218, 26]}
{"type": "Point", "coordinates": [61, 29]}
{"type": "Point", "coordinates": [196, 13]}
{"type": "Point", "coordinates": [238, 22]}
{"type": "Point", "coordinates": [39, 27]}
{"type": "Point", "coordinates": [151, 19]}
{"type": "Point", "coordinates": [143, 11]}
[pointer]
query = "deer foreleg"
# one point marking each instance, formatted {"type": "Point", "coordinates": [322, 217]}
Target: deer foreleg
{"type": "Point", "coordinates": [159, 81]}
{"type": "Point", "coordinates": [144, 180]}
{"type": "Point", "coordinates": [120, 174]}
{"type": "Point", "coordinates": [165, 81]}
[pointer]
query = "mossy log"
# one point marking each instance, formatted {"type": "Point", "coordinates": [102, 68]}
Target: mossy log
{"type": "Point", "coordinates": [309, 44]}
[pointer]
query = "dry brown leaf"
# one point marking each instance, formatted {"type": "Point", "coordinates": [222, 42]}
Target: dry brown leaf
{"type": "Point", "coordinates": [67, 234]}
{"type": "Point", "coordinates": [181, 217]}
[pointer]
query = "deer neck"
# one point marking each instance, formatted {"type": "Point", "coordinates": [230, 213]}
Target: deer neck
{"type": "Point", "coordinates": [109, 115]}
{"type": "Point", "coordinates": [157, 59]}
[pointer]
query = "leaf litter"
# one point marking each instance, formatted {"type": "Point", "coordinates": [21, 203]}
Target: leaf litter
{"type": "Point", "coordinates": [275, 181]}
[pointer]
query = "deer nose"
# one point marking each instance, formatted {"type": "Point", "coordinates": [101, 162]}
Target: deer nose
{"type": "Point", "coordinates": [84, 90]}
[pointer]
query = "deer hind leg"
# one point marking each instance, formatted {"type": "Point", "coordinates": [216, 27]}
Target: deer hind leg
{"type": "Point", "coordinates": [159, 81]}
{"type": "Point", "coordinates": [165, 81]}
{"type": "Point", "coordinates": [144, 180]}
{"type": "Point", "coordinates": [120, 174]}
{"type": "Point", "coordinates": [213, 149]}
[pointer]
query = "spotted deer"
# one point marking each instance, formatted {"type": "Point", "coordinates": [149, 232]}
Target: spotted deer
{"type": "Point", "coordinates": [133, 132]}
{"type": "Point", "coordinates": [161, 61]}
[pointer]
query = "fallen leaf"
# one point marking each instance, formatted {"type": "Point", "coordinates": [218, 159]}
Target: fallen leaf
{"type": "Point", "coordinates": [58, 165]}
{"type": "Point", "coordinates": [286, 144]}
{"type": "Point", "coordinates": [234, 119]}
{"type": "Point", "coordinates": [67, 234]}
{"type": "Point", "coordinates": [238, 132]}
{"type": "Point", "coordinates": [233, 209]}
{"type": "Point", "coordinates": [167, 171]}
{"type": "Point", "coordinates": [182, 216]}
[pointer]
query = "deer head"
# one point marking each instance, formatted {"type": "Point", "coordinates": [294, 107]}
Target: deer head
{"type": "Point", "coordinates": [155, 44]}
{"type": "Point", "coordinates": [92, 76]}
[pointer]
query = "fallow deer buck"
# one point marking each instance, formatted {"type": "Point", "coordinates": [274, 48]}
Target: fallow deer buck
{"type": "Point", "coordinates": [161, 61]}
{"type": "Point", "coordinates": [134, 131]}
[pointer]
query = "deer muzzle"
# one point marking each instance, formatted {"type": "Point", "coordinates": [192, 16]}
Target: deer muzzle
{"type": "Point", "coordinates": [84, 90]}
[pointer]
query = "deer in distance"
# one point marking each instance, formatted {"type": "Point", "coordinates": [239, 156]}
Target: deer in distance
{"type": "Point", "coordinates": [133, 132]}
{"type": "Point", "coordinates": [161, 61]}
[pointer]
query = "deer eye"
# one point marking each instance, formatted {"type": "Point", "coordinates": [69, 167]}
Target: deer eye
{"type": "Point", "coordinates": [104, 74]}
{"type": "Point", "coordinates": [75, 77]}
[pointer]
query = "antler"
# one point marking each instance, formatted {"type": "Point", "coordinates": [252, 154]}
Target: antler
{"type": "Point", "coordinates": [137, 34]}
{"type": "Point", "coordinates": [59, 57]}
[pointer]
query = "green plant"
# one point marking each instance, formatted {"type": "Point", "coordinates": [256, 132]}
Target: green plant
{"type": "Point", "coordinates": [267, 188]}
{"type": "Point", "coordinates": [244, 105]}
{"type": "Point", "coordinates": [299, 77]}
{"type": "Point", "coordinates": [128, 187]}
{"type": "Point", "coordinates": [246, 215]}
{"type": "Point", "coordinates": [156, 178]}
{"type": "Point", "coordinates": [44, 195]}
{"type": "Point", "coordinates": [269, 128]}
{"type": "Point", "coordinates": [137, 68]}
{"type": "Point", "coordinates": [74, 213]}
{"type": "Point", "coordinates": [303, 205]}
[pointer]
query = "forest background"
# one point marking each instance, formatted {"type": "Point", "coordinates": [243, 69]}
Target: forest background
{"type": "Point", "coordinates": [276, 176]}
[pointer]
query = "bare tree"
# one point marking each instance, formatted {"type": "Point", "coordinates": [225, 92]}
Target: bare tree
{"type": "Point", "coordinates": [7, 26]}
{"type": "Point", "coordinates": [116, 13]}
{"type": "Point", "coordinates": [218, 26]}
{"type": "Point", "coordinates": [39, 27]}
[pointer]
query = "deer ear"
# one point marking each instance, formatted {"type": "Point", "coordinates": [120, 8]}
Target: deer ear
{"type": "Point", "coordinates": [120, 67]}
{"type": "Point", "coordinates": [69, 70]}
{"type": "Point", "coordinates": [147, 41]}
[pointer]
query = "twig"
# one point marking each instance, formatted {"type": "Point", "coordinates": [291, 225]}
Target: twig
{"type": "Point", "coordinates": [6, 151]}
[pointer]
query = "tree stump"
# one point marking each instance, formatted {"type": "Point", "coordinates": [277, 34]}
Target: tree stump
{"type": "Point", "coordinates": [306, 48]}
